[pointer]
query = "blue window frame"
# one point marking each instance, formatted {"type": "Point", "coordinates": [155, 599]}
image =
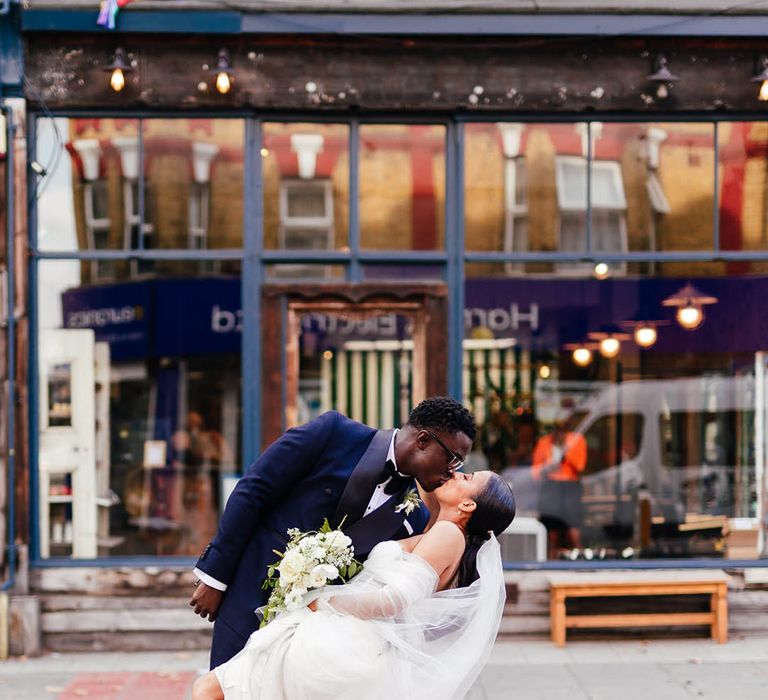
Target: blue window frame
{"type": "Point", "coordinates": [452, 259]}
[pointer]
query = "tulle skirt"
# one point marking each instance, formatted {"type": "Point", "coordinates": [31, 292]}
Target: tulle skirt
{"type": "Point", "coordinates": [432, 646]}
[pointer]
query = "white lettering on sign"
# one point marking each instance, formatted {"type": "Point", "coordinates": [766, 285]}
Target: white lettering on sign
{"type": "Point", "coordinates": [231, 321]}
{"type": "Point", "coordinates": [225, 321]}
{"type": "Point", "coordinates": [500, 320]}
{"type": "Point", "coordinates": [108, 316]}
{"type": "Point", "coordinates": [385, 325]}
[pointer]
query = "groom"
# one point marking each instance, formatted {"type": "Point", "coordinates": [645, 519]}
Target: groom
{"type": "Point", "coordinates": [334, 468]}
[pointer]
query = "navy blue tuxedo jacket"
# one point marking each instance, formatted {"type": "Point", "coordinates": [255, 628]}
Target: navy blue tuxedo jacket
{"type": "Point", "coordinates": [327, 468]}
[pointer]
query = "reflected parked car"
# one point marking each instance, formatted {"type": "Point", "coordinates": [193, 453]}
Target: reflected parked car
{"type": "Point", "coordinates": [685, 444]}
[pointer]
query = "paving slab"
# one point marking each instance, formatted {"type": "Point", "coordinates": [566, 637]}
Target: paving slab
{"type": "Point", "coordinates": [676, 669]}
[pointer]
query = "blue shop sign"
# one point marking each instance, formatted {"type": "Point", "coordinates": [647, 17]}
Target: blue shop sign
{"type": "Point", "coordinates": [119, 314]}
{"type": "Point", "coordinates": [159, 318]}
{"type": "Point", "coordinates": [182, 317]}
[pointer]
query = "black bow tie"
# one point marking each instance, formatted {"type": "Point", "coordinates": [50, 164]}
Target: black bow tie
{"type": "Point", "coordinates": [396, 482]}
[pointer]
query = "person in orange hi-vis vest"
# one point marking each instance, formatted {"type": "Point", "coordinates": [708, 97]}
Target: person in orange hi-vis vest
{"type": "Point", "coordinates": [559, 458]}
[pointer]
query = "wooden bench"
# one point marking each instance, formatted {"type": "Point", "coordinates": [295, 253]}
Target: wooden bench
{"type": "Point", "coordinates": [638, 583]}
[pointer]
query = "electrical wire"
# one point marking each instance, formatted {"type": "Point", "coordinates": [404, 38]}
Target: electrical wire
{"type": "Point", "coordinates": [52, 165]}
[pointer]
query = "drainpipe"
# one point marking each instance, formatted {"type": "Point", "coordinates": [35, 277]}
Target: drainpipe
{"type": "Point", "coordinates": [10, 334]}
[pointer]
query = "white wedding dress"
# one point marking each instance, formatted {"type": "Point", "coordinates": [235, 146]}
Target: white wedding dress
{"type": "Point", "coordinates": [386, 634]}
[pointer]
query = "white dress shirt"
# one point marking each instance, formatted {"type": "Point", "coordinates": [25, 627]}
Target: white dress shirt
{"type": "Point", "coordinates": [377, 499]}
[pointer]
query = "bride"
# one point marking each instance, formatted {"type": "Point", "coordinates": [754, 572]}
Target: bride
{"type": "Point", "coordinates": [418, 622]}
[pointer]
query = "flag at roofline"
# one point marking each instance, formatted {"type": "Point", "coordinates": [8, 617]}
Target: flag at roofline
{"type": "Point", "coordinates": [108, 12]}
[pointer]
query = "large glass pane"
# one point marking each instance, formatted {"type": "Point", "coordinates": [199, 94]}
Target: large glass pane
{"type": "Point", "coordinates": [622, 410]}
{"type": "Point", "coordinates": [402, 187]}
{"type": "Point", "coordinates": [140, 390]}
{"type": "Point", "coordinates": [743, 185]}
{"type": "Point", "coordinates": [653, 186]}
{"type": "Point", "coordinates": [89, 196]}
{"type": "Point", "coordinates": [526, 189]}
{"type": "Point", "coordinates": [193, 188]}
{"type": "Point", "coordinates": [84, 198]}
{"type": "Point", "coordinates": [306, 186]}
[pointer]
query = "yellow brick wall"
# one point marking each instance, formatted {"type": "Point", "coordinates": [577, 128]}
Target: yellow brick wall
{"type": "Point", "coordinates": [483, 191]}
{"type": "Point", "coordinates": [386, 187]}
{"type": "Point", "coordinates": [385, 199]}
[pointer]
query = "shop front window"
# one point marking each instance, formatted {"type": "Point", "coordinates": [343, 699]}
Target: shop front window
{"type": "Point", "coordinates": [402, 187]}
{"type": "Point", "coordinates": [741, 167]}
{"type": "Point", "coordinates": [140, 381]}
{"type": "Point", "coordinates": [305, 170]}
{"type": "Point", "coordinates": [651, 187]}
{"type": "Point", "coordinates": [640, 447]}
{"type": "Point", "coordinates": [125, 184]}
{"type": "Point", "coordinates": [621, 406]}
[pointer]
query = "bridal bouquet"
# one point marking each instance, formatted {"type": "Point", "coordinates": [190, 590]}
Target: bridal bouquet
{"type": "Point", "coordinates": [310, 561]}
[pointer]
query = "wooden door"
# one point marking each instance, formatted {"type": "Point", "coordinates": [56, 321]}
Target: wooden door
{"type": "Point", "coordinates": [388, 350]}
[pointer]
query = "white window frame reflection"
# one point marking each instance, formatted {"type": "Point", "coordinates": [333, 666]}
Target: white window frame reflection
{"type": "Point", "coordinates": [320, 229]}
{"type": "Point", "coordinates": [199, 208]}
{"type": "Point", "coordinates": [132, 222]}
{"type": "Point", "coordinates": [198, 218]}
{"type": "Point", "coordinates": [515, 210]}
{"type": "Point", "coordinates": [97, 228]}
{"type": "Point", "coordinates": [572, 203]}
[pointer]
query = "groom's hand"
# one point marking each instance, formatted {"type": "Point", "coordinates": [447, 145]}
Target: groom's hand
{"type": "Point", "coordinates": [206, 600]}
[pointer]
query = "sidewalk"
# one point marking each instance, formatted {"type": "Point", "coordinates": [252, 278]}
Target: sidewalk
{"type": "Point", "coordinates": [526, 670]}
{"type": "Point", "coordinates": [630, 670]}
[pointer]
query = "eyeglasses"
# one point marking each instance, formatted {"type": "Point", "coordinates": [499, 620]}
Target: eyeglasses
{"type": "Point", "coordinates": [457, 461]}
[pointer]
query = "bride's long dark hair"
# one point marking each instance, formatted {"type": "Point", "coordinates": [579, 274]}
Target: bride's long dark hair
{"type": "Point", "coordinates": [494, 512]}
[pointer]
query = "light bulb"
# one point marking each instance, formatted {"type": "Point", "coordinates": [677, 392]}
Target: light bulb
{"type": "Point", "coordinates": [690, 316]}
{"type": "Point", "coordinates": [601, 270]}
{"type": "Point", "coordinates": [609, 347]}
{"type": "Point", "coordinates": [645, 336]}
{"type": "Point", "coordinates": [763, 94]}
{"type": "Point", "coordinates": [223, 83]}
{"type": "Point", "coordinates": [545, 371]}
{"type": "Point", "coordinates": [117, 81]}
{"type": "Point", "coordinates": [662, 92]}
{"type": "Point", "coordinates": [582, 356]}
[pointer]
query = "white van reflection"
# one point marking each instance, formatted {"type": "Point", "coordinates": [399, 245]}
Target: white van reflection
{"type": "Point", "coordinates": [685, 446]}
{"type": "Point", "coordinates": [686, 443]}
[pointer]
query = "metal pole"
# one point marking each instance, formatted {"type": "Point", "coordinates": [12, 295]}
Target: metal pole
{"type": "Point", "coordinates": [454, 232]}
{"type": "Point", "coordinates": [760, 442]}
{"type": "Point", "coordinates": [252, 278]}
{"type": "Point", "coordinates": [355, 270]}
{"type": "Point", "coordinates": [10, 334]}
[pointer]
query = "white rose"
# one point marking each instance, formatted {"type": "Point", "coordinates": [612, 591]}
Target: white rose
{"type": "Point", "coordinates": [321, 574]}
{"type": "Point", "coordinates": [308, 543]}
{"type": "Point", "coordinates": [338, 540]}
{"type": "Point", "coordinates": [291, 566]}
{"type": "Point", "coordinates": [294, 599]}
{"type": "Point", "coordinates": [316, 578]}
